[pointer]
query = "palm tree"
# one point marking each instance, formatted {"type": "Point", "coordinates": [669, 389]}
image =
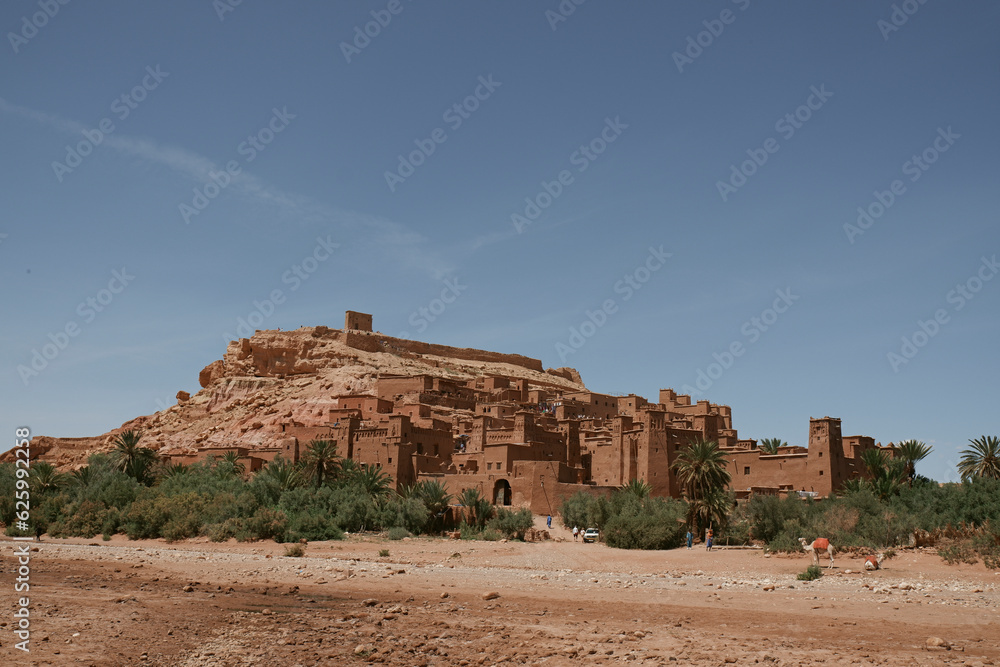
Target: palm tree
{"type": "Point", "coordinates": [478, 509]}
{"type": "Point", "coordinates": [347, 468]}
{"type": "Point", "coordinates": [874, 461]}
{"type": "Point", "coordinates": [46, 478]}
{"type": "Point", "coordinates": [168, 470]}
{"type": "Point", "coordinates": [372, 480]}
{"type": "Point", "coordinates": [770, 445]}
{"type": "Point", "coordinates": [636, 487]}
{"type": "Point", "coordinates": [279, 476]}
{"type": "Point", "coordinates": [885, 473]}
{"type": "Point", "coordinates": [712, 509]}
{"type": "Point", "coordinates": [130, 458]}
{"type": "Point", "coordinates": [982, 459]}
{"type": "Point", "coordinates": [854, 485]}
{"type": "Point", "coordinates": [232, 462]}
{"type": "Point", "coordinates": [321, 460]}
{"type": "Point", "coordinates": [126, 449]}
{"type": "Point", "coordinates": [432, 494]}
{"type": "Point", "coordinates": [701, 470]}
{"type": "Point", "coordinates": [911, 451]}
{"type": "Point", "coordinates": [83, 477]}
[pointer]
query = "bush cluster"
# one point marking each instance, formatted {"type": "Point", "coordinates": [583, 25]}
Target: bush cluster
{"type": "Point", "coordinates": [215, 499]}
{"type": "Point", "coordinates": [289, 503]}
{"type": "Point", "coordinates": [962, 519]}
{"type": "Point", "coordinates": [629, 518]}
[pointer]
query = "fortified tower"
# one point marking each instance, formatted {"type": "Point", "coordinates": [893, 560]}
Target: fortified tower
{"type": "Point", "coordinates": [357, 321]}
{"type": "Point", "coordinates": [827, 468]}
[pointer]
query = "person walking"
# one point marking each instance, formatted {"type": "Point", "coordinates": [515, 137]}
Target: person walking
{"type": "Point", "coordinates": [576, 533]}
{"type": "Point", "coordinates": [690, 538]}
{"type": "Point", "coordinates": [548, 522]}
{"type": "Point", "coordinates": [708, 540]}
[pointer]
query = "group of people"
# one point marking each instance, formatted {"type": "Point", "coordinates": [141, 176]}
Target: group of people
{"type": "Point", "coordinates": [576, 529]}
{"type": "Point", "coordinates": [709, 536]}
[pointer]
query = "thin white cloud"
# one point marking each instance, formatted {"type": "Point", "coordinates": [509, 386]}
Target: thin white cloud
{"type": "Point", "coordinates": [404, 246]}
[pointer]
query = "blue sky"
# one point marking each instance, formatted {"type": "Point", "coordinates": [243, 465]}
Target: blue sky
{"type": "Point", "coordinates": [739, 138]}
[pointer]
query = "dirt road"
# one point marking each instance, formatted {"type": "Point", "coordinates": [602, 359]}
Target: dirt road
{"type": "Point", "coordinates": [559, 603]}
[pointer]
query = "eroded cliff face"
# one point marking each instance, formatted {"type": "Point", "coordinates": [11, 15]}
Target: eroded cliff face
{"type": "Point", "coordinates": [281, 377]}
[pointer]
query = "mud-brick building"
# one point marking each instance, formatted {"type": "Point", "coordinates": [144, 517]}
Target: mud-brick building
{"type": "Point", "coordinates": [534, 443]}
{"type": "Point", "coordinates": [820, 469]}
{"type": "Point", "coordinates": [394, 443]}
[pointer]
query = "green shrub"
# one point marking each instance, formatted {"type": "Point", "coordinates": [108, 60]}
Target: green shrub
{"type": "Point", "coordinates": [769, 515]}
{"type": "Point", "coordinates": [112, 522]}
{"type": "Point", "coordinates": [652, 523]}
{"type": "Point", "coordinates": [511, 525]}
{"type": "Point", "coordinates": [398, 533]}
{"type": "Point", "coordinates": [295, 550]}
{"type": "Point", "coordinates": [812, 573]}
{"type": "Point", "coordinates": [354, 512]}
{"type": "Point", "coordinates": [311, 526]}
{"type": "Point", "coordinates": [585, 510]}
{"type": "Point", "coordinates": [265, 524]}
{"type": "Point", "coordinates": [85, 519]}
{"type": "Point", "coordinates": [220, 532]}
{"type": "Point", "coordinates": [144, 519]}
{"type": "Point", "coordinates": [408, 513]}
{"type": "Point", "coordinates": [383, 553]}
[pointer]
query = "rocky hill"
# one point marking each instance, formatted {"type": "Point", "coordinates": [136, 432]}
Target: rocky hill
{"type": "Point", "coordinates": [279, 377]}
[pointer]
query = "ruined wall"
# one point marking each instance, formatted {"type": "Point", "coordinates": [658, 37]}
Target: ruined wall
{"type": "Point", "coordinates": [381, 343]}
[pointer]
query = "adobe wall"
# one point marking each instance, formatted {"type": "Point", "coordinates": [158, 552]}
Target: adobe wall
{"type": "Point", "coordinates": [359, 321]}
{"type": "Point", "coordinates": [388, 387]}
{"type": "Point", "coordinates": [382, 343]}
{"type": "Point", "coordinates": [775, 470]}
{"type": "Point", "coordinates": [542, 486]}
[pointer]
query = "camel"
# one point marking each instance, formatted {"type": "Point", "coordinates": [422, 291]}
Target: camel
{"type": "Point", "coordinates": [819, 544]}
{"type": "Point", "coordinates": [874, 562]}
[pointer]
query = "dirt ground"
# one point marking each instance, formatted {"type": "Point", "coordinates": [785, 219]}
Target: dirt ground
{"type": "Point", "coordinates": [558, 602]}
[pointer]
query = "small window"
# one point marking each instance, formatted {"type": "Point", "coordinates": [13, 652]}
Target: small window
{"type": "Point", "coordinates": [746, 470]}
{"type": "Point", "coordinates": [820, 473]}
{"type": "Point", "coordinates": [390, 459]}
{"type": "Point", "coordinates": [821, 454]}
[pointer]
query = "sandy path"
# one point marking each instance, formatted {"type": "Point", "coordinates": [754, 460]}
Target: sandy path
{"type": "Point", "coordinates": [559, 603]}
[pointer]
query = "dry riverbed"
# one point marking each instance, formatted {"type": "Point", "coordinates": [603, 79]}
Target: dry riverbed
{"type": "Point", "coordinates": [447, 602]}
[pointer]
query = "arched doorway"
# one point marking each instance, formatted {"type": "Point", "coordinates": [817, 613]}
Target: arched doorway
{"type": "Point", "coordinates": [501, 492]}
